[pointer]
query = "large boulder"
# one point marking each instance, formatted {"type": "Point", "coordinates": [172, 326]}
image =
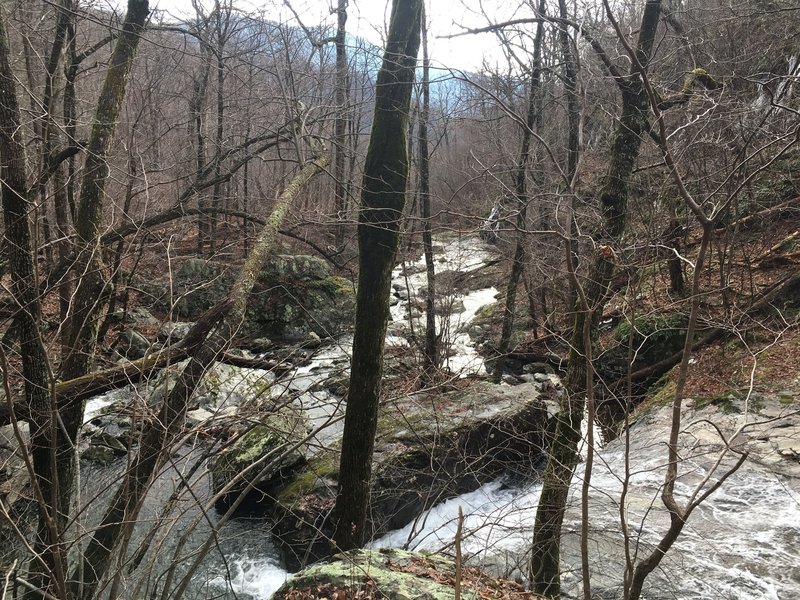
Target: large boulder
{"type": "Point", "coordinates": [428, 448]}
{"type": "Point", "coordinates": [395, 575]}
{"type": "Point", "coordinates": [294, 295]}
{"type": "Point", "coordinates": [263, 457]}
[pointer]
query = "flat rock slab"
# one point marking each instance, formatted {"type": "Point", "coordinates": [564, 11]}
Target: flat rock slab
{"type": "Point", "coordinates": [395, 575]}
{"type": "Point", "coordinates": [429, 448]}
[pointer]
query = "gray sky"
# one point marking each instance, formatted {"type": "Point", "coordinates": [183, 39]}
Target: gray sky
{"type": "Point", "coordinates": [369, 19]}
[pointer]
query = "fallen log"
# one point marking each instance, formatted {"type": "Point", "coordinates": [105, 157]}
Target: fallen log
{"type": "Point", "coordinates": [98, 382]}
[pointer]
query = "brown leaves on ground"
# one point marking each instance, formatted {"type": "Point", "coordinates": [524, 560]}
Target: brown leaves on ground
{"type": "Point", "coordinates": [473, 579]}
{"type": "Point", "coordinates": [368, 590]}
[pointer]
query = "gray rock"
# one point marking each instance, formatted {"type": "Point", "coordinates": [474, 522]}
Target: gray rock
{"type": "Point", "coordinates": [393, 573]}
{"type": "Point", "coordinates": [538, 367]}
{"type": "Point", "coordinates": [263, 457]}
{"type": "Point", "coordinates": [259, 345]}
{"type": "Point", "coordinates": [471, 436]}
{"type": "Point", "coordinates": [174, 331]}
{"type": "Point", "coordinates": [311, 340]}
{"type": "Point", "coordinates": [142, 317]}
{"type": "Point", "coordinates": [133, 344]}
{"type": "Point", "coordinates": [292, 296]}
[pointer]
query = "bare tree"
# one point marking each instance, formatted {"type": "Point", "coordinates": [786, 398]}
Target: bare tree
{"type": "Point", "coordinates": [382, 200]}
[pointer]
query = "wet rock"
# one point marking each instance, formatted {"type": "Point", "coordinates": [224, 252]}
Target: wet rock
{"type": "Point", "coordinates": [538, 367]}
{"type": "Point", "coordinates": [428, 448]}
{"type": "Point", "coordinates": [133, 344]}
{"type": "Point", "coordinates": [258, 345]}
{"type": "Point", "coordinates": [174, 331]}
{"type": "Point", "coordinates": [311, 340]}
{"type": "Point", "coordinates": [263, 457]}
{"type": "Point", "coordinates": [223, 386]}
{"type": "Point", "coordinates": [104, 448]}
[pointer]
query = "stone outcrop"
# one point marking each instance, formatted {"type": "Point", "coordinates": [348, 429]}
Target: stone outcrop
{"type": "Point", "coordinates": [395, 575]}
{"type": "Point", "coordinates": [428, 449]}
{"type": "Point", "coordinates": [263, 457]}
{"type": "Point", "coordinates": [294, 295]}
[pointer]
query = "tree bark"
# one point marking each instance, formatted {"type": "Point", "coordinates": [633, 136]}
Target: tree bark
{"type": "Point", "coordinates": [46, 572]}
{"type": "Point", "coordinates": [215, 332]}
{"type": "Point", "coordinates": [431, 350]}
{"type": "Point", "coordinates": [56, 430]}
{"type": "Point", "coordinates": [340, 145]}
{"type": "Point", "coordinates": [533, 116]}
{"type": "Point", "coordinates": [563, 457]}
{"type": "Point", "coordinates": [382, 202]}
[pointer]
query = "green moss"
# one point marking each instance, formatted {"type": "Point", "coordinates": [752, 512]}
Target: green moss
{"type": "Point", "coordinates": [727, 402]}
{"type": "Point", "coordinates": [655, 336]}
{"type": "Point", "coordinates": [386, 569]}
{"type": "Point", "coordinates": [324, 465]}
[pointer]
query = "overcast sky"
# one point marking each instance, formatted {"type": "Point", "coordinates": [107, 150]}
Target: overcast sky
{"type": "Point", "coordinates": [369, 19]}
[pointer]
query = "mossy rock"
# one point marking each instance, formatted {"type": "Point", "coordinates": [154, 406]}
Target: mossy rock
{"type": "Point", "coordinates": [391, 574]}
{"type": "Point", "coordinates": [652, 337]}
{"type": "Point", "coordinates": [428, 448]}
{"type": "Point", "coordinates": [293, 295]}
{"type": "Point", "coordinates": [263, 457]}
{"type": "Point", "coordinates": [394, 574]}
{"type": "Point", "coordinates": [727, 402]}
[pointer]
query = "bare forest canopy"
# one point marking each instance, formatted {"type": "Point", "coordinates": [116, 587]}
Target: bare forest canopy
{"type": "Point", "coordinates": [631, 168]}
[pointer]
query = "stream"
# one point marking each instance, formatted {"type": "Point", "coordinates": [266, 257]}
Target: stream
{"type": "Point", "coordinates": [742, 544]}
{"type": "Point", "coordinates": [243, 560]}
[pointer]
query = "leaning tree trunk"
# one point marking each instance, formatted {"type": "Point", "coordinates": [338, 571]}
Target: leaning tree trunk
{"type": "Point", "coordinates": [521, 193]}
{"type": "Point", "coordinates": [213, 334]}
{"type": "Point", "coordinates": [563, 455]}
{"type": "Point", "coordinates": [382, 202]}
{"type": "Point", "coordinates": [46, 573]}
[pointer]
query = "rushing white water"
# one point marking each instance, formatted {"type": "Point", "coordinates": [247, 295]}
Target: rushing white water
{"type": "Point", "coordinates": [258, 578]}
{"type": "Point", "coordinates": [740, 544]}
{"type": "Point", "coordinates": [252, 571]}
{"type": "Point", "coordinates": [455, 309]}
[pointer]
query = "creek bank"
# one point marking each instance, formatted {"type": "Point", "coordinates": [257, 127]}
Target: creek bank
{"type": "Point", "coordinates": [428, 448]}
{"type": "Point", "coordinates": [395, 575]}
{"type": "Point", "coordinates": [263, 458]}
{"type": "Point", "coordinates": [737, 544]}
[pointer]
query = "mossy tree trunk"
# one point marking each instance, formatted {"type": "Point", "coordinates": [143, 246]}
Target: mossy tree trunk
{"type": "Point", "coordinates": [48, 571]}
{"type": "Point", "coordinates": [382, 201]}
{"type": "Point", "coordinates": [212, 334]}
{"type": "Point", "coordinates": [563, 456]}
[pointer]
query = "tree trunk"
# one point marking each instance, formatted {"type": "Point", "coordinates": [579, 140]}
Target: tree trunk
{"type": "Point", "coordinates": [47, 572]}
{"type": "Point", "coordinates": [431, 349]}
{"type": "Point", "coordinates": [382, 201]}
{"type": "Point", "coordinates": [214, 332]}
{"type": "Point", "coordinates": [340, 145]}
{"type": "Point", "coordinates": [533, 116]}
{"type": "Point", "coordinates": [53, 448]}
{"type": "Point", "coordinates": [563, 457]}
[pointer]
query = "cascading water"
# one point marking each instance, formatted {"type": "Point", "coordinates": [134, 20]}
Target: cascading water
{"type": "Point", "coordinates": [242, 559]}
{"type": "Point", "coordinates": [740, 544]}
